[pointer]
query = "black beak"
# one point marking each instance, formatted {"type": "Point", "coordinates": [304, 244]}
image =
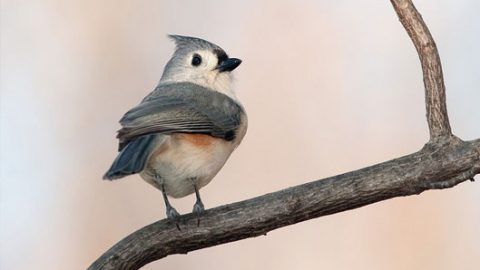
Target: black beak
{"type": "Point", "coordinates": [229, 64]}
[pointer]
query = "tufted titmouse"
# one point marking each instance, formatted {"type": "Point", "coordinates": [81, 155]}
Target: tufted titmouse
{"type": "Point", "coordinates": [183, 132]}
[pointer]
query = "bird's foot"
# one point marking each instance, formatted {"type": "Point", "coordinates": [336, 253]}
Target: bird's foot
{"type": "Point", "coordinates": [198, 209]}
{"type": "Point", "coordinates": [173, 216]}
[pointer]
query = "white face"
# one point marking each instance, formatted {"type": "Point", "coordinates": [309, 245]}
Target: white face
{"type": "Point", "coordinates": [200, 67]}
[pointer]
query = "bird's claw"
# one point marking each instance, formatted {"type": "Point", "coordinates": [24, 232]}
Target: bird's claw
{"type": "Point", "coordinates": [198, 209]}
{"type": "Point", "coordinates": [173, 216]}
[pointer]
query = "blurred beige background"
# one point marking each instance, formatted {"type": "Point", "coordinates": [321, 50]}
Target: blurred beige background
{"type": "Point", "coordinates": [329, 86]}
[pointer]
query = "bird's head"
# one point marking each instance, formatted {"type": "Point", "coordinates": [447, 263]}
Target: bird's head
{"type": "Point", "coordinates": [201, 62]}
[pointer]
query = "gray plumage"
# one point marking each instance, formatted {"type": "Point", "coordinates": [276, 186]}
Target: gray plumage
{"type": "Point", "coordinates": [192, 43]}
{"type": "Point", "coordinates": [172, 108]}
{"type": "Point", "coordinates": [132, 158]}
{"type": "Point", "coordinates": [182, 133]}
{"type": "Point", "coordinates": [182, 107]}
{"type": "Point", "coordinates": [184, 46]}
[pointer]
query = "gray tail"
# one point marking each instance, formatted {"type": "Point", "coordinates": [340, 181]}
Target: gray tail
{"type": "Point", "coordinates": [132, 158]}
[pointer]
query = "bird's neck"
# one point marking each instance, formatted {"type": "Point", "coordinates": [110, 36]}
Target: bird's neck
{"type": "Point", "coordinates": [221, 83]}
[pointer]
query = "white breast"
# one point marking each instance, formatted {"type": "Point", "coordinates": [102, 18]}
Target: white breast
{"type": "Point", "coordinates": [182, 157]}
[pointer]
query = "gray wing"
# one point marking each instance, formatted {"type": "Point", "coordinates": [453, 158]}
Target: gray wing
{"type": "Point", "coordinates": [182, 107]}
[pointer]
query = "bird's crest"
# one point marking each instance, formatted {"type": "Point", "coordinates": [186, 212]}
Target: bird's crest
{"type": "Point", "coordinates": [192, 43]}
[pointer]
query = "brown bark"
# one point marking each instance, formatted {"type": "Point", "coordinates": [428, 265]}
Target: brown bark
{"type": "Point", "coordinates": [412, 21]}
{"type": "Point", "coordinates": [443, 162]}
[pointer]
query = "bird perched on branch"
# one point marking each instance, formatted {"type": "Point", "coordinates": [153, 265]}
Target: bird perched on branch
{"type": "Point", "coordinates": [183, 132]}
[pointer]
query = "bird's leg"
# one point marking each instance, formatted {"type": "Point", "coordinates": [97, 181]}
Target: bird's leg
{"type": "Point", "coordinates": [172, 214]}
{"type": "Point", "coordinates": [198, 207]}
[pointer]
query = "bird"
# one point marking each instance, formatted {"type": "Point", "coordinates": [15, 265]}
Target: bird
{"type": "Point", "coordinates": [182, 133]}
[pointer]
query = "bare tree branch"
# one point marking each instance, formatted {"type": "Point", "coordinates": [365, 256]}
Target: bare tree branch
{"type": "Point", "coordinates": [435, 166]}
{"type": "Point", "coordinates": [443, 162]}
{"type": "Point", "coordinates": [476, 144]}
{"type": "Point", "coordinates": [412, 21]}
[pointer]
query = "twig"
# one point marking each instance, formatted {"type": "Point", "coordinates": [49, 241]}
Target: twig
{"type": "Point", "coordinates": [412, 21]}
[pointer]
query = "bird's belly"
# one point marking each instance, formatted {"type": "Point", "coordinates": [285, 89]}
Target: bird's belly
{"type": "Point", "coordinates": [186, 157]}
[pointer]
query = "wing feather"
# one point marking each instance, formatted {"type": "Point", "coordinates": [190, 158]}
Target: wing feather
{"type": "Point", "coordinates": [185, 108]}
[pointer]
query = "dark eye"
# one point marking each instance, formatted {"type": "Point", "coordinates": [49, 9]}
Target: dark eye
{"type": "Point", "coordinates": [196, 60]}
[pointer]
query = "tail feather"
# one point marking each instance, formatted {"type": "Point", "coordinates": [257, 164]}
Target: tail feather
{"type": "Point", "coordinates": [132, 158]}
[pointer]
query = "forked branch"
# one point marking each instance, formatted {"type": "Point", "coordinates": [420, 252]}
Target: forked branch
{"type": "Point", "coordinates": [444, 162]}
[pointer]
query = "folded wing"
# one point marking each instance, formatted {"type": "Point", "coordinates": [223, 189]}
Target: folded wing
{"type": "Point", "coordinates": [184, 108]}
